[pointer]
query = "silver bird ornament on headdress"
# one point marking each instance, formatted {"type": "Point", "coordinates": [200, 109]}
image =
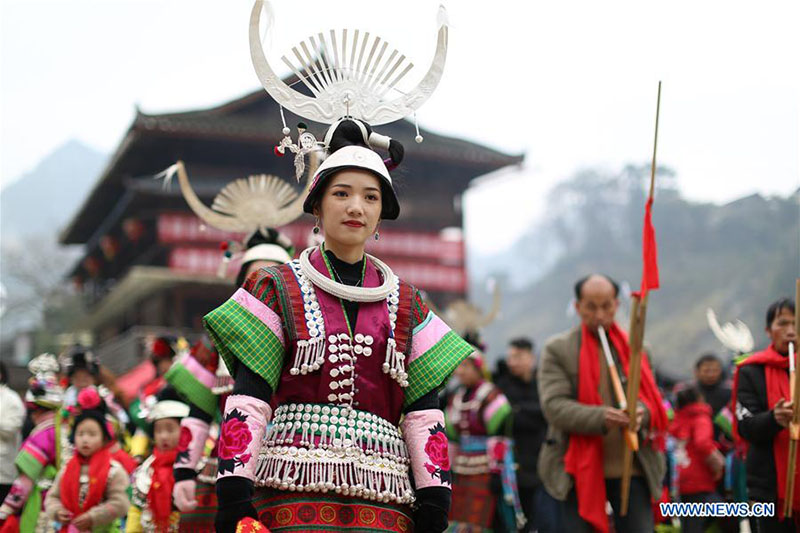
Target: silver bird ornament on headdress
{"type": "Point", "coordinates": [735, 337]}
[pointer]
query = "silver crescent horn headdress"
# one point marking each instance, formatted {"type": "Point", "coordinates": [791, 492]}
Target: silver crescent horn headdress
{"type": "Point", "coordinates": [247, 205]}
{"type": "Point", "coordinates": [348, 74]}
{"type": "Point", "coordinates": [735, 337]}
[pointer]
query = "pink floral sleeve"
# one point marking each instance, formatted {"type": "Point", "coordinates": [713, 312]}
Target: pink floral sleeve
{"type": "Point", "coordinates": [426, 440]}
{"type": "Point", "coordinates": [241, 432]}
{"type": "Point", "coordinates": [191, 444]}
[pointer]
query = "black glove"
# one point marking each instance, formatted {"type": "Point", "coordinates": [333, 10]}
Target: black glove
{"type": "Point", "coordinates": [235, 501]}
{"type": "Point", "coordinates": [431, 509]}
{"type": "Point", "coordinates": [183, 473]}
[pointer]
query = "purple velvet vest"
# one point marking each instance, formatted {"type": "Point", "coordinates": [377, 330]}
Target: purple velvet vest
{"type": "Point", "coordinates": [348, 371]}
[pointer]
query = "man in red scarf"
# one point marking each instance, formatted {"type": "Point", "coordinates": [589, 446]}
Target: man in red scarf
{"type": "Point", "coordinates": [761, 398]}
{"type": "Point", "coordinates": [581, 461]}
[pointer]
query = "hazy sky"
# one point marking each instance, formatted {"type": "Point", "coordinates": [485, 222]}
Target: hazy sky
{"type": "Point", "coordinates": [571, 83]}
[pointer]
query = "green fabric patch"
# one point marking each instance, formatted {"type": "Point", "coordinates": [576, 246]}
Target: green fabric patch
{"type": "Point", "coordinates": [189, 387]}
{"type": "Point", "coordinates": [496, 422]}
{"type": "Point", "coordinates": [135, 410]}
{"type": "Point", "coordinates": [28, 465]}
{"type": "Point", "coordinates": [724, 423]}
{"type": "Point", "coordinates": [240, 335]}
{"type": "Point", "coordinates": [29, 518]}
{"type": "Point", "coordinates": [449, 429]}
{"type": "Point", "coordinates": [432, 369]}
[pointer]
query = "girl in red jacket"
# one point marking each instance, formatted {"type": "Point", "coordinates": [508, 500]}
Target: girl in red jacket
{"type": "Point", "coordinates": [700, 463]}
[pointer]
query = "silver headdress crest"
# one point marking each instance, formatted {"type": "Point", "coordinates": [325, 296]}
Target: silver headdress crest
{"type": "Point", "coordinates": [44, 365]}
{"type": "Point", "coordinates": [245, 205]}
{"type": "Point", "coordinates": [735, 337]}
{"type": "Point", "coordinates": [348, 73]}
{"type": "Point", "coordinates": [43, 387]}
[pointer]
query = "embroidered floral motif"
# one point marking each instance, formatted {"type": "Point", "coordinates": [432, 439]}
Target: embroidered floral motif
{"type": "Point", "coordinates": [184, 441]}
{"type": "Point", "coordinates": [234, 439]}
{"type": "Point", "coordinates": [436, 449]}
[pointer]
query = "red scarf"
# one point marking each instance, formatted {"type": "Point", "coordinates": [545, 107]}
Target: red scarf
{"type": "Point", "coordinates": [99, 465]}
{"type": "Point", "coordinates": [776, 374]}
{"type": "Point", "coordinates": [584, 457]}
{"type": "Point", "coordinates": [159, 497]}
{"type": "Point", "coordinates": [123, 458]}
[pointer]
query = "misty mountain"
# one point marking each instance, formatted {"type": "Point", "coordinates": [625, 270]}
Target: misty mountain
{"type": "Point", "coordinates": [32, 212]}
{"type": "Point", "coordinates": [44, 199]}
{"type": "Point", "coordinates": [736, 258]}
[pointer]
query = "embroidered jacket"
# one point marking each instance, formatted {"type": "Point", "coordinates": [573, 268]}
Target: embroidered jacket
{"type": "Point", "coordinates": [106, 515]}
{"type": "Point", "coordinates": [140, 516]}
{"type": "Point", "coordinates": [339, 395]}
{"type": "Point", "coordinates": [38, 461]}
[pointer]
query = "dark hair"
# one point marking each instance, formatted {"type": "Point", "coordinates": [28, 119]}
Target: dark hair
{"type": "Point", "coordinates": [272, 237]}
{"type": "Point", "coordinates": [97, 417]}
{"type": "Point", "coordinates": [776, 307]}
{"type": "Point", "coordinates": [687, 395]}
{"type": "Point", "coordinates": [474, 338]}
{"type": "Point", "coordinates": [97, 413]}
{"type": "Point", "coordinates": [581, 282]}
{"type": "Point", "coordinates": [522, 343]}
{"type": "Point", "coordinates": [3, 373]}
{"type": "Point", "coordinates": [707, 358]}
{"type": "Point", "coordinates": [81, 358]}
{"type": "Point", "coordinates": [348, 133]}
{"type": "Point", "coordinates": [168, 393]}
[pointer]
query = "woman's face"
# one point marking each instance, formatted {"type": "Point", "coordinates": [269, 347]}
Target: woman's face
{"type": "Point", "coordinates": [350, 209]}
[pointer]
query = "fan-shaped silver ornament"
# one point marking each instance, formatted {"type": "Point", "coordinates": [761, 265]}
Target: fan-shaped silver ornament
{"type": "Point", "coordinates": [245, 205]}
{"type": "Point", "coordinates": [349, 73]}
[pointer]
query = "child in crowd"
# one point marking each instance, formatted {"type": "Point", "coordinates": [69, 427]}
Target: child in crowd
{"type": "Point", "coordinates": [152, 509]}
{"type": "Point", "coordinates": [39, 457]}
{"type": "Point", "coordinates": [700, 464]}
{"type": "Point", "coordinates": [90, 491]}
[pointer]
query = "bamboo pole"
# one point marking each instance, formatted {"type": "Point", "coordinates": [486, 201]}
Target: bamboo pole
{"type": "Point", "coordinates": [794, 425]}
{"type": "Point", "coordinates": [636, 338]}
{"type": "Point", "coordinates": [636, 341]}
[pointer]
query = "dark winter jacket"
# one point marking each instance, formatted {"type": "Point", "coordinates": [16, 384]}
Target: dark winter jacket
{"type": "Point", "coordinates": [757, 425]}
{"type": "Point", "coordinates": [529, 425]}
{"type": "Point", "coordinates": [717, 396]}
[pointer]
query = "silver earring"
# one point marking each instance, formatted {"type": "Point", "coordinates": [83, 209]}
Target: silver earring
{"type": "Point", "coordinates": [377, 235]}
{"type": "Point", "coordinates": [316, 227]}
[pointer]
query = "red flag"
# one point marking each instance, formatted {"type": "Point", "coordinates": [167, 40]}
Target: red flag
{"type": "Point", "coordinates": [649, 251]}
